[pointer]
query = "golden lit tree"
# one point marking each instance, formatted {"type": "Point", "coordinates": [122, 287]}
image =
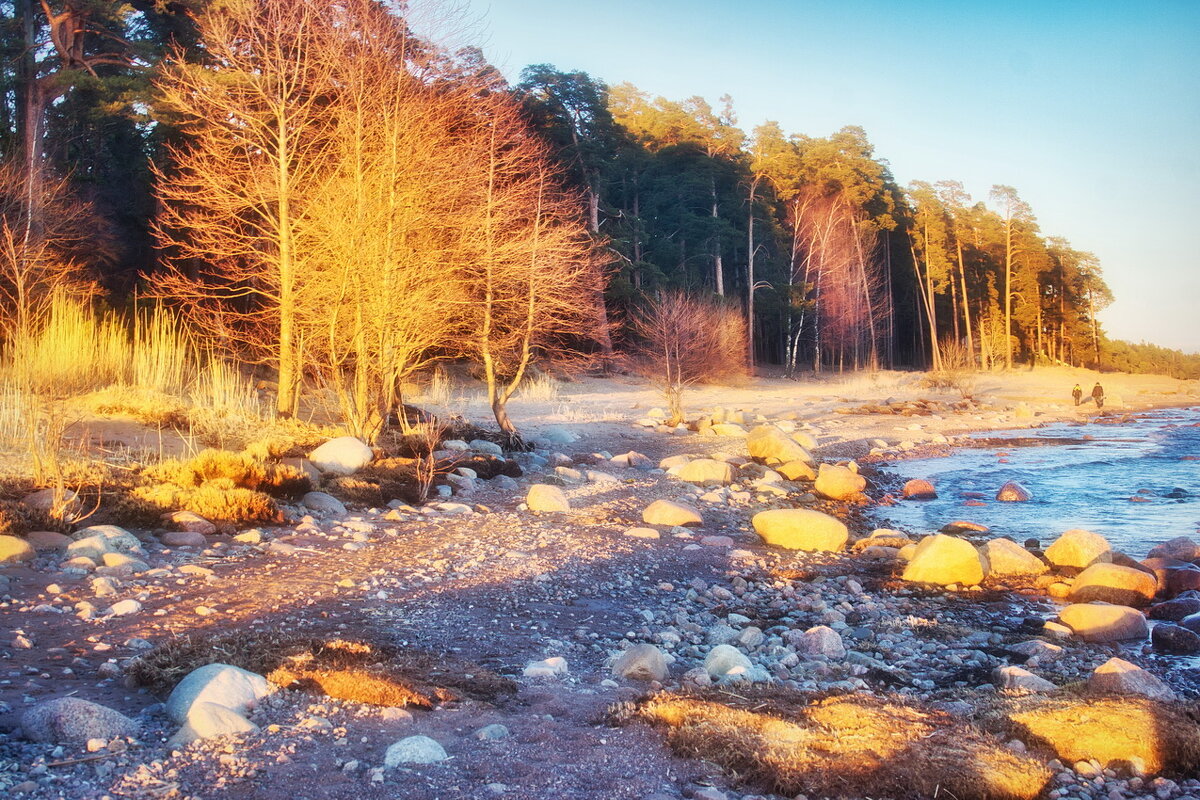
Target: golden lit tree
{"type": "Point", "coordinates": [527, 263]}
{"type": "Point", "coordinates": [241, 189]}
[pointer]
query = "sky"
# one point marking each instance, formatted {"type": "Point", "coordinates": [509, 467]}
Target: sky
{"type": "Point", "coordinates": [1090, 108]}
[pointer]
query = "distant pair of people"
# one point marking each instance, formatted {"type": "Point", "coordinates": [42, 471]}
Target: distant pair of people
{"type": "Point", "coordinates": [1097, 394]}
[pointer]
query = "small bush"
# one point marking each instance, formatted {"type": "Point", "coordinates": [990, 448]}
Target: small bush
{"type": "Point", "coordinates": [682, 340]}
{"type": "Point", "coordinates": [209, 466]}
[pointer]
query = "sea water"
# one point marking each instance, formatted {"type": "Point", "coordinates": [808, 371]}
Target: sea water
{"type": "Point", "coordinates": [1135, 481]}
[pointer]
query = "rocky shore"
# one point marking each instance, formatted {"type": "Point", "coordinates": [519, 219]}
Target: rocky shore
{"type": "Point", "coordinates": [732, 556]}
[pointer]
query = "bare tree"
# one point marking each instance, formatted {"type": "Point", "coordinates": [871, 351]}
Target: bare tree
{"type": "Point", "coordinates": [683, 340]}
{"type": "Point", "coordinates": [240, 190]}
{"type": "Point", "coordinates": [529, 268]}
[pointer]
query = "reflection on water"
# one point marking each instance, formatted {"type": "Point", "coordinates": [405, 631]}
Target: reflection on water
{"type": "Point", "coordinates": [1074, 485]}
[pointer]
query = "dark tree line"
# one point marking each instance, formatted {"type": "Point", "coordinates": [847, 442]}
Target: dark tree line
{"type": "Point", "coordinates": [833, 263]}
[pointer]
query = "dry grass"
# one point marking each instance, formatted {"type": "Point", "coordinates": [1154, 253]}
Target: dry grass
{"type": "Point", "coordinates": [359, 671]}
{"type": "Point", "coordinates": [1111, 730]}
{"type": "Point", "coordinates": [851, 746]}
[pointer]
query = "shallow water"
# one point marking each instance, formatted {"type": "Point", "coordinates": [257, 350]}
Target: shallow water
{"type": "Point", "coordinates": [1074, 484]}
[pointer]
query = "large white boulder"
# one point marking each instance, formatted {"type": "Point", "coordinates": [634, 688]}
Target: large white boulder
{"type": "Point", "coordinates": [96, 540]}
{"type": "Point", "coordinates": [223, 684]}
{"type": "Point", "coordinates": [944, 560]}
{"type": "Point", "coordinates": [726, 663]}
{"type": "Point", "coordinates": [801, 529]}
{"type": "Point", "coordinates": [344, 455]}
{"type": "Point", "coordinates": [209, 721]}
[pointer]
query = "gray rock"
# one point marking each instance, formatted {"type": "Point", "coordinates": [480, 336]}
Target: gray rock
{"type": "Point", "coordinates": [70, 720]}
{"type": "Point", "coordinates": [642, 662]}
{"type": "Point", "coordinates": [484, 446]}
{"type": "Point", "coordinates": [323, 503]}
{"type": "Point", "coordinates": [414, 750]}
{"type": "Point", "coordinates": [491, 733]}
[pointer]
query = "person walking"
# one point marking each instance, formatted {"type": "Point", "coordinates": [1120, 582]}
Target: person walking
{"type": "Point", "coordinates": [1098, 395]}
{"type": "Point", "coordinates": [1077, 393]}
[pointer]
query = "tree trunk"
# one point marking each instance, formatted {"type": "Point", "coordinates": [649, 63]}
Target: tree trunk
{"type": "Point", "coordinates": [966, 306]}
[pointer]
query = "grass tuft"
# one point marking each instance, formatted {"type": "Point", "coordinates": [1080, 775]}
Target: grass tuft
{"type": "Point", "coordinates": [358, 671]}
{"type": "Point", "coordinates": [854, 745]}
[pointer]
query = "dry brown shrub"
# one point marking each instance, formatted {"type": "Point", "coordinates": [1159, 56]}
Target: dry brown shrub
{"type": "Point", "coordinates": [209, 466]}
{"type": "Point", "coordinates": [682, 340]}
{"type": "Point", "coordinates": [358, 671]}
{"type": "Point", "coordinates": [1111, 730]}
{"type": "Point", "coordinates": [231, 507]}
{"type": "Point", "coordinates": [855, 745]}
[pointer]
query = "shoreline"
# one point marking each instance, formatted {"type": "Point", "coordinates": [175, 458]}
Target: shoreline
{"type": "Point", "coordinates": [485, 580]}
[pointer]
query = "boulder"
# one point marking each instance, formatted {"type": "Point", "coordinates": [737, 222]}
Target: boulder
{"type": "Point", "coordinates": [344, 455]}
{"type": "Point", "coordinates": [414, 750]}
{"type": "Point", "coordinates": [1117, 676]}
{"type": "Point", "coordinates": [944, 560]}
{"type": "Point", "coordinates": [304, 466]}
{"type": "Point", "coordinates": [642, 662]}
{"type": "Point", "coordinates": [726, 663]}
{"type": "Point", "coordinates": [1182, 580]}
{"type": "Point", "coordinates": [546, 498]}
{"type": "Point", "coordinates": [1013, 492]}
{"type": "Point", "coordinates": [771, 445]}
{"type": "Point", "coordinates": [209, 721]}
{"type": "Point", "coordinates": [797, 471]}
{"type": "Point", "coordinates": [72, 721]}
{"type": "Point", "coordinates": [117, 540]}
{"type": "Point", "coordinates": [1005, 558]}
{"type": "Point", "coordinates": [1181, 547]}
{"type": "Point", "coordinates": [918, 489]}
{"type": "Point", "coordinates": [704, 471]}
{"type": "Point", "coordinates": [1079, 549]}
{"type": "Point", "coordinates": [819, 641]}
{"type": "Point", "coordinates": [323, 503]}
{"type": "Point", "coordinates": [667, 512]}
{"type": "Point", "coordinates": [1110, 583]}
{"type": "Point", "coordinates": [727, 429]}
{"type": "Point", "coordinates": [183, 539]}
{"type": "Point", "coordinates": [43, 500]}
{"type": "Point", "coordinates": [1020, 680]}
{"type": "Point", "coordinates": [484, 446]}
{"type": "Point", "coordinates": [190, 521]}
{"type": "Point", "coordinates": [48, 540]}
{"type": "Point", "coordinates": [232, 687]}
{"type": "Point", "coordinates": [643, 533]}
{"type": "Point", "coordinates": [801, 529]}
{"type": "Point", "coordinates": [1191, 622]}
{"type": "Point", "coordinates": [1175, 610]}
{"type": "Point", "coordinates": [964, 526]}
{"type": "Point", "coordinates": [14, 550]}
{"type": "Point", "coordinates": [1103, 622]}
{"type": "Point", "coordinates": [1170, 638]}
{"type": "Point", "coordinates": [1163, 567]}
{"type": "Point", "coordinates": [552, 667]}
{"type": "Point", "coordinates": [839, 483]}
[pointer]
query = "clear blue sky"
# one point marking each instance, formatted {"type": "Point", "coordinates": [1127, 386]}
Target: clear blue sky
{"type": "Point", "coordinates": [1090, 108]}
